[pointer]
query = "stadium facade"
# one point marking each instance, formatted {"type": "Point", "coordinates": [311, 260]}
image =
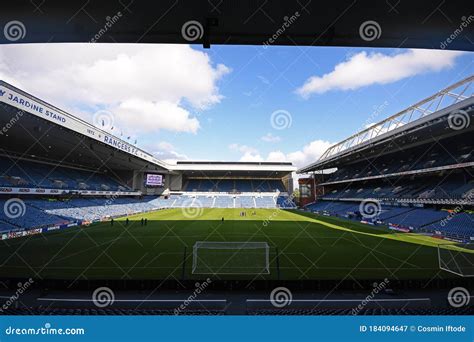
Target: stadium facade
{"type": "Point", "coordinates": [411, 172]}
{"type": "Point", "coordinates": [59, 171]}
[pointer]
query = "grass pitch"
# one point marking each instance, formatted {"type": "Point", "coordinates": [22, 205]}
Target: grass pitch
{"type": "Point", "coordinates": [302, 246]}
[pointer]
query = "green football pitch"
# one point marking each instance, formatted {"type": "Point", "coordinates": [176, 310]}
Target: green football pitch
{"type": "Point", "coordinates": [301, 246]}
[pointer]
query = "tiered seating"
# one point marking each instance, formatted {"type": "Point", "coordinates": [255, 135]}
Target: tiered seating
{"type": "Point", "coordinates": [224, 202]}
{"type": "Point", "coordinates": [42, 213]}
{"type": "Point", "coordinates": [224, 185]}
{"type": "Point", "coordinates": [466, 310]}
{"type": "Point", "coordinates": [179, 201]}
{"type": "Point", "coordinates": [413, 159]}
{"type": "Point", "coordinates": [278, 185]}
{"type": "Point", "coordinates": [330, 207]}
{"type": "Point", "coordinates": [237, 202]}
{"type": "Point", "coordinates": [388, 212]}
{"type": "Point", "coordinates": [417, 218]}
{"type": "Point", "coordinates": [161, 202]}
{"type": "Point", "coordinates": [205, 201]}
{"type": "Point", "coordinates": [7, 227]}
{"type": "Point", "coordinates": [243, 185]}
{"type": "Point", "coordinates": [445, 311]}
{"type": "Point", "coordinates": [108, 311]}
{"type": "Point", "coordinates": [21, 173]}
{"type": "Point", "coordinates": [234, 185]}
{"type": "Point", "coordinates": [193, 185]}
{"type": "Point", "coordinates": [30, 217]}
{"type": "Point", "coordinates": [452, 187]}
{"type": "Point", "coordinates": [96, 208]}
{"type": "Point", "coordinates": [265, 201]}
{"type": "Point", "coordinates": [285, 202]}
{"type": "Point", "coordinates": [458, 225]}
{"type": "Point", "coordinates": [247, 202]}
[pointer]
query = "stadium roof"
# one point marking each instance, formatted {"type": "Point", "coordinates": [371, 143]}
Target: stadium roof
{"type": "Point", "coordinates": [267, 169]}
{"type": "Point", "coordinates": [401, 24]}
{"type": "Point", "coordinates": [456, 97]}
{"type": "Point", "coordinates": [16, 98]}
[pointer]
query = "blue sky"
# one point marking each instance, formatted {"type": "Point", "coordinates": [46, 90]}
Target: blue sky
{"type": "Point", "coordinates": [265, 80]}
{"type": "Point", "coordinates": [217, 104]}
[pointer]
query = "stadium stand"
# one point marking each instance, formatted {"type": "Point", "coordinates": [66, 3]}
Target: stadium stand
{"type": "Point", "coordinates": [412, 160]}
{"type": "Point", "coordinates": [455, 226]}
{"type": "Point", "coordinates": [107, 311]}
{"type": "Point", "coordinates": [50, 212]}
{"type": "Point", "coordinates": [234, 185]}
{"type": "Point", "coordinates": [416, 166]}
{"type": "Point", "coordinates": [107, 177]}
{"type": "Point", "coordinates": [36, 218]}
{"type": "Point", "coordinates": [23, 173]}
{"type": "Point", "coordinates": [466, 310]}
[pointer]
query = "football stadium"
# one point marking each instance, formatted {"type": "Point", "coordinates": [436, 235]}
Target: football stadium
{"type": "Point", "coordinates": [253, 170]}
{"type": "Point", "coordinates": [389, 209]}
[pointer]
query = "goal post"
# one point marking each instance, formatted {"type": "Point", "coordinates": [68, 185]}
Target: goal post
{"type": "Point", "coordinates": [220, 258]}
{"type": "Point", "coordinates": [457, 259]}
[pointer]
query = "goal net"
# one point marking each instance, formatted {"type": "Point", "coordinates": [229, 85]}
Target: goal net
{"type": "Point", "coordinates": [230, 258]}
{"type": "Point", "coordinates": [457, 259]}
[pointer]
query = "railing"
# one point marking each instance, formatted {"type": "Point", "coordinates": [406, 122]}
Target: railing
{"type": "Point", "coordinates": [457, 92]}
{"type": "Point", "coordinates": [441, 201]}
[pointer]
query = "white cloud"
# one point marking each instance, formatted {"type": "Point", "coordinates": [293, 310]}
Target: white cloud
{"type": "Point", "coordinates": [251, 157]}
{"type": "Point", "coordinates": [147, 116]}
{"type": "Point", "coordinates": [365, 69]}
{"type": "Point", "coordinates": [269, 137]}
{"type": "Point", "coordinates": [308, 154]}
{"type": "Point", "coordinates": [166, 152]}
{"type": "Point", "coordinates": [160, 83]}
{"type": "Point", "coordinates": [249, 153]}
{"type": "Point", "coordinates": [276, 156]}
{"type": "Point", "coordinates": [243, 148]}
